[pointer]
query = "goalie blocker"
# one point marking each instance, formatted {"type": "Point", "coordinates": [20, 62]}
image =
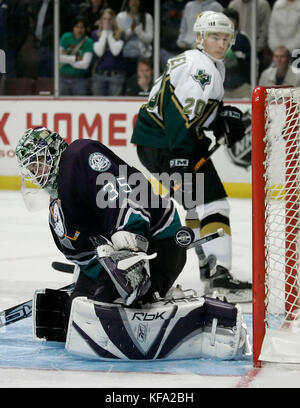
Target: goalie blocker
{"type": "Point", "coordinates": [171, 328]}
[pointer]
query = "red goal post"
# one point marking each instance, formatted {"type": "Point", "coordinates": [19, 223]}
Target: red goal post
{"type": "Point", "coordinates": [275, 224]}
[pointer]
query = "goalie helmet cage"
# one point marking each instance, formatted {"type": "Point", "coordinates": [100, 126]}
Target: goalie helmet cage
{"type": "Point", "coordinates": [275, 224]}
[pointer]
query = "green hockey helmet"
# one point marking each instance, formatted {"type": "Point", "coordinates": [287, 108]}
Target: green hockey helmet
{"type": "Point", "coordinates": [38, 153]}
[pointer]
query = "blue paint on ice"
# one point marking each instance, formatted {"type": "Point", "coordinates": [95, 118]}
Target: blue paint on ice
{"type": "Point", "coordinates": [19, 349]}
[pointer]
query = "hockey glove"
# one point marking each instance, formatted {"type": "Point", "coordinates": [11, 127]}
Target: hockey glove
{"type": "Point", "coordinates": [125, 260]}
{"type": "Point", "coordinates": [128, 270]}
{"type": "Point", "coordinates": [129, 240]}
{"type": "Point", "coordinates": [228, 124]}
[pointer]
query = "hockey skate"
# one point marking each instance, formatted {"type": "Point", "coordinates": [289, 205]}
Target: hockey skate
{"type": "Point", "coordinates": [220, 283]}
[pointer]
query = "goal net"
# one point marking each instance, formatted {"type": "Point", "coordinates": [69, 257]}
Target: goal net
{"type": "Point", "coordinates": [276, 239]}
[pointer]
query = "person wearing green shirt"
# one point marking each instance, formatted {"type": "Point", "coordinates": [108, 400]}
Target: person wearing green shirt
{"type": "Point", "coordinates": [76, 53]}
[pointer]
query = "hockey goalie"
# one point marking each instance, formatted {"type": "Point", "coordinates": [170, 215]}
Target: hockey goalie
{"type": "Point", "coordinates": [123, 305]}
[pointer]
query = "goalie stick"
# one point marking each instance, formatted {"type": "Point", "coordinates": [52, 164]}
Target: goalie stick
{"type": "Point", "coordinates": [63, 267]}
{"type": "Point", "coordinates": [21, 311]}
{"type": "Point", "coordinates": [185, 237]}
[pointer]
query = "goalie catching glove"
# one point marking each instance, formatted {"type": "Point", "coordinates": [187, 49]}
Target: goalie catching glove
{"type": "Point", "coordinates": [228, 124]}
{"type": "Point", "coordinates": [127, 264]}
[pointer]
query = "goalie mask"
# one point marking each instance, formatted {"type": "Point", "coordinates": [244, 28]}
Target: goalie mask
{"type": "Point", "coordinates": [210, 22]}
{"type": "Point", "coordinates": [38, 153]}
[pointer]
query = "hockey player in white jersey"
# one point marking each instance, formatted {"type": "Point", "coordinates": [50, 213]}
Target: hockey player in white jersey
{"type": "Point", "coordinates": [170, 137]}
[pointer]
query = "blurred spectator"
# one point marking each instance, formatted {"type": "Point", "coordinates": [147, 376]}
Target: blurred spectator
{"type": "Point", "coordinates": [224, 3]}
{"type": "Point", "coordinates": [138, 29]}
{"type": "Point", "coordinates": [14, 28]}
{"type": "Point", "coordinates": [76, 53]}
{"type": "Point", "coordinates": [237, 62]}
{"type": "Point", "coordinates": [91, 11]}
{"type": "Point", "coordinates": [43, 25]}
{"type": "Point", "coordinates": [186, 38]}
{"type": "Point", "coordinates": [77, 6]}
{"type": "Point", "coordinates": [284, 26]}
{"type": "Point", "coordinates": [141, 83]}
{"type": "Point", "coordinates": [280, 73]}
{"type": "Point", "coordinates": [171, 12]}
{"type": "Point", "coordinates": [108, 74]}
{"type": "Point", "coordinates": [3, 40]}
{"type": "Point", "coordinates": [244, 8]}
{"type": "Point", "coordinates": [3, 23]}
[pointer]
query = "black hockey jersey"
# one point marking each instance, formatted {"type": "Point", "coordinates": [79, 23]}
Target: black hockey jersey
{"type": "Point", "coordinates": [98, 193]}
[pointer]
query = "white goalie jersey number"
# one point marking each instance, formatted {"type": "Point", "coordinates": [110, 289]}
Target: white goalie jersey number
{"type": "Point", "coordinates": [112, 191]}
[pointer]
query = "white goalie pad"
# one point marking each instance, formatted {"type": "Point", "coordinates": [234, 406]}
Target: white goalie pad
{"type": "Point", "coordinates": [167, 329]}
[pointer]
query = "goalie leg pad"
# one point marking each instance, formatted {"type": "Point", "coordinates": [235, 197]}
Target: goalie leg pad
{"type": "Point", "coordinates": [225, 335]}
{"type": "Point", "coordinates": [50, 314]}
{"type": "Point", "coordinates": [167, 329]}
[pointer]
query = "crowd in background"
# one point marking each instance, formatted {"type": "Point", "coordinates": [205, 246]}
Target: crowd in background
{"type": "Point", "coordinates": [106, 46]}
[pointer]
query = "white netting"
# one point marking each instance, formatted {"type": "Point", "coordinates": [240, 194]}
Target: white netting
{"type": "Point", "coordinates": [282, 171]}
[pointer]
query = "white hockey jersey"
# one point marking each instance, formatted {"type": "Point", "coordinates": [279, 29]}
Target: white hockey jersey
{"type": "Point", "coordinates": [186, 95]}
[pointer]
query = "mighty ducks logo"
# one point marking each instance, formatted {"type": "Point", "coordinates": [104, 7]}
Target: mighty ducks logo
{"type": "Point", "coordinates": [240, 152]}
{"type": "Point", "coordinates": [57, 221]}
{"type": "Point", "coordinates": [202, 78]}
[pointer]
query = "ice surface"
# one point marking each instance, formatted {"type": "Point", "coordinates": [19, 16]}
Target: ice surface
{"type": "Point", "coordinates": [26, 253]}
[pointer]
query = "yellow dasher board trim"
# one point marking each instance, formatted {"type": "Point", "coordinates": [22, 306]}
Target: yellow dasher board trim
{"type": "Point", "coordinates": [30, 185]}
{"type": "Point", "coordinates": [236, 190]}
{"type": "Point", "coordinates": [14, 183]}
{"type": "Point", "coordinates": [158, 188]}
{"type": "Point", "coordinates": [277, 192]}
{"type": "Point", "coordinates": [10, 182]}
